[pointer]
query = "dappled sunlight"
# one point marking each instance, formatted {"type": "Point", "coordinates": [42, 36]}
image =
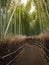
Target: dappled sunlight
{"type": "Point", "coordinates": [32, 9]}
{"type": "Point", "coordinates": [24, 2]}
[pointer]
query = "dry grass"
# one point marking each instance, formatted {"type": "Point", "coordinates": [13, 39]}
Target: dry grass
{"type": "Point", "coordinates": [10, 44]}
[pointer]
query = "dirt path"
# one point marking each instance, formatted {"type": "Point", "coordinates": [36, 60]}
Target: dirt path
{"type": "Point", "coordinates": [31, 56]}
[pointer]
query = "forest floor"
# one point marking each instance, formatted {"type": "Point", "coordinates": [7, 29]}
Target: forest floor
{"type": "Point", "coordinates": [32, 54]}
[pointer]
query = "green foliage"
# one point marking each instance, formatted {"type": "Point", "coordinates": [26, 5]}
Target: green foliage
{"type": "Point", "coordinates": [42, 13]}
{"type": "Point", "coordinates": [5, 3]}
{"type": "Point", "coordinates": [35, 28]}
{"type": "Point", "coordinates": [28, 5]}
{"type": "Point", "coordinates": [22, 21]}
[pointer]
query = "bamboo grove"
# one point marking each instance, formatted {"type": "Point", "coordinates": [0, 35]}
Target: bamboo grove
{"type": "Point", "coordinates": [16, 19]}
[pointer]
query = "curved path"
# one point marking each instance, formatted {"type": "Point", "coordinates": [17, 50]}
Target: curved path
{"type": "Point", "coordinates": [32, 55]}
